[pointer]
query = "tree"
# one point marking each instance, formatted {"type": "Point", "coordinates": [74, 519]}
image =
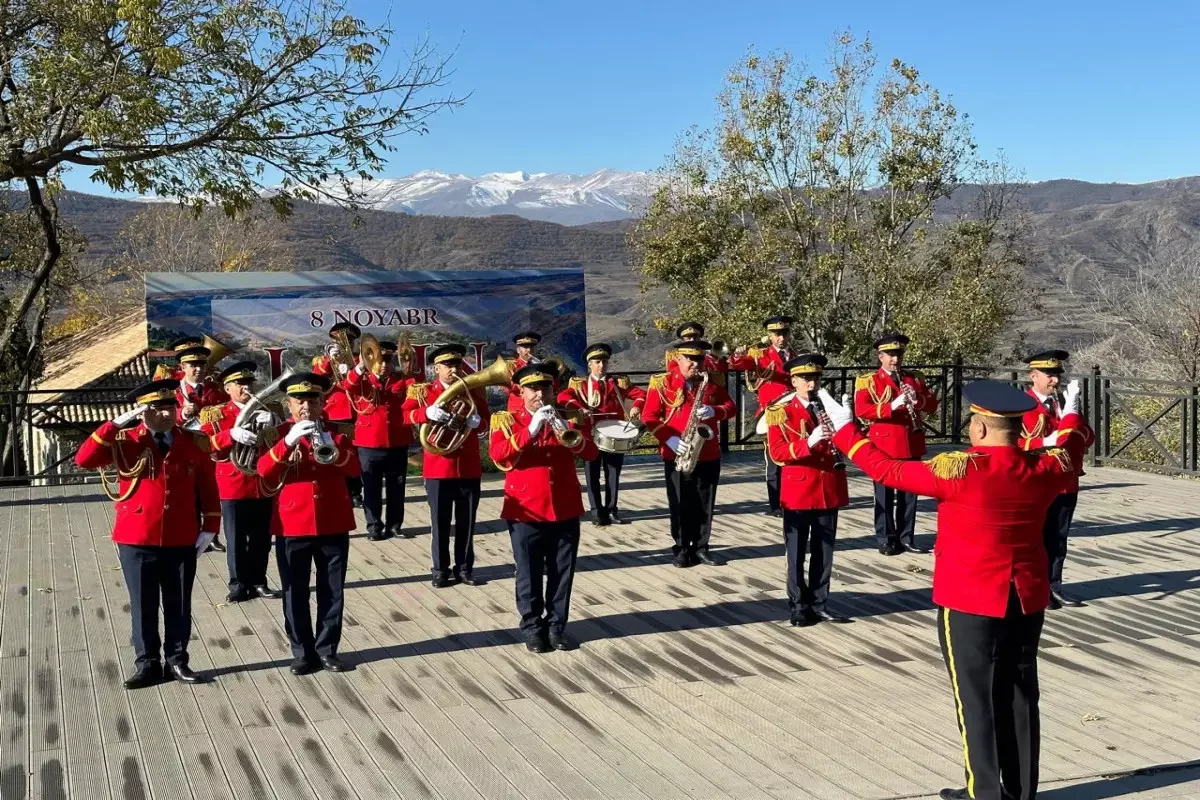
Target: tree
{"type": "Point", "coordinates": [825, 197]}
{"type": "Point", "coordinates": [204, 101]}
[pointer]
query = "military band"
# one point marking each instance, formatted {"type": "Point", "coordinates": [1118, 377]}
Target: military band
{"type": "Point", "coordinates": [767, 377]}
{"type": "Point", "coordinates": [891, 401]}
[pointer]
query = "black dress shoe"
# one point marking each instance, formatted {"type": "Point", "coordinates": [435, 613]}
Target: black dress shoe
{"type": "Point", "coordinates": [703, 557]}
{"type": "Point", "coordinates": [441, 581]}
{"type": "Point", "coordinates": [239, 595]}
{"type": "Point", "coordinates": [915, 548]}
{"type": "Point", "coordinates": [615, 516]}
{"type": "Point", "coordinates": [468, 579]}
{"type": "Point", "coordinates": [1064, 599]}
{"type": "Point", "coordinates": [375, 534]}
{"type": "Point", "coordinates": [267, 592]}
{"type": "Point", "coordinates": [800, 620]}
{"type": "Point", "coordinates": [538, 644]}
{"type": "Point", "coordinates": [395, 530]}
{"type": "Point", "coordinates": [215, 544]}
{"type": "Point", "coordinates": [183, 674]}
{"type": "Point", "coordinates": [560, 641]}
{"type": "Point", "coordinates": [305, 666]}
{"type": "Point", "coordinates": [954, 794]}
{"type": "Point", "coordinates": [335, 664]}
{"type": "Point", "coordinates": [144, 676]}
{"type": "Point", "coordinates": [681, 559]}
{"type": "Point", "coordinates": [891, 549]}
{"type": "Point", "coordinates": [828, 616]}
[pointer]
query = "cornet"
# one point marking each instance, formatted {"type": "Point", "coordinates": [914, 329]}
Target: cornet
{"type": "Point", "coordinates": [324, 450]}
{"type": "Point", "coordinates": [567, 436]}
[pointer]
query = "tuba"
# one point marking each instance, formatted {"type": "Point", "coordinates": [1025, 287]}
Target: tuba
{"type": "Point", "coordinates": [245, 456]}
{"type": "Point", "coordinates": [445, 438]}
{"type": "Point", "coordinates": [370, 354]}
{"type": "Point", "coordinates": [345, 356]}
{"type": "Point", "coordinates": [216, 352]}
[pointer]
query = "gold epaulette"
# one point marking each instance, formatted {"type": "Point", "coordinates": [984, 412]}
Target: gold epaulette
{"type": "Point", "coordinates": [1061, 455]}
{"type": "Point", "coordinates": [669, 356]}
{"type": "Point", "coordinates": [952, 465]}
{"type": "Point", "coordinates": [316, 361]}
{"type": "Point", "coordinates": [268, 437]}
{"type": "Point", "coordinates": [576, 384]}
{"type": "Point", "coordinates": [502, 421]}
{"type": "Point", "coordinates": [122, 435]}
{"type": "Point", "coordinates": [418, 391]}
{"type": "Point", "coordinates": [755, 352]}
{"type": "Point", "coordinates": [623, 383]}
{"type": "Point", "coordinates": [162, 372]}
{"type": "Point", "coordinates": [658, 382]}
{"type": "Point", "coordinates": [863, 381]}
{"type": "Point", "coordinates": [210, 414]}
{"type": "Point", "coordinates": [202, 442]}
{"type": "Point", "coordinates": [776, 415]}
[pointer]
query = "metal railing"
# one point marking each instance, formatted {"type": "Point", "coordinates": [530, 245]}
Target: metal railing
{"type": "Point", "coordinates": [1139, 422]}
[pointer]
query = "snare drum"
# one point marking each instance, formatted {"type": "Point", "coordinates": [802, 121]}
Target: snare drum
{"type": "Point", "coordinates": [616, 435]}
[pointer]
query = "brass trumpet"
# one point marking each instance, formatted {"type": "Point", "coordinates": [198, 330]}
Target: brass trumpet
{"type": "Point", "coordinates": [567, 436]}
{"type": "Point", "coordinates": [445, 438]}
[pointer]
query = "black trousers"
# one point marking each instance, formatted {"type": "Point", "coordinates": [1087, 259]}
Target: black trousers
{"type": "Point", "coordinates": [610, 465]}
{"type": "Point", "coordinates": [895, 515]}
{"type": "Point", "coordinates": [811, 532]}
{"type": "Point", "coordinates": [354, 485]}
{"type": "Point", "coordinates": [383, 470]}
{"type": "Point", "coordinates": [774, 476]}
{"type": "Point", "coordinates": [1054, 533]}
{"type": "Point", "coordinates": [151, 574]}
{"type": "Point", "coordinates": [297, 555]}
{"type": "Point", "coordinates": [692, 499]}
{"type": "Point", "coordinates": [544, 549]}
{"type": "Point", "coordinates": [992, 663]}
{"type": "Point", "coordinates": [453, 500]}
{"type": "Point", "coordinates": [248, 546]}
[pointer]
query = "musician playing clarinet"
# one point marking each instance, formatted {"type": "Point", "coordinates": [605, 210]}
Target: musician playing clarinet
{"type": "Point", "coordinates": [599, 395]}
{"type": "Point", "coordinates": [812, 490]}
{"type": "Point", "coordinates": [891, 400]}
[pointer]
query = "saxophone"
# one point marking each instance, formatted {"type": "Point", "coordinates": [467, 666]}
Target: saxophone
{"type": "Point", "coordinates": [695, 434]}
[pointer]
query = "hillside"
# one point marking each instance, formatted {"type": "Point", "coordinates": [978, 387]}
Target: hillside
{"type": "Point", "coordinates": [1080, 230]}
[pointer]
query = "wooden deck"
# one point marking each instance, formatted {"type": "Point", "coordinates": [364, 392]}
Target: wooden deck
{"type": "Point", "coordinates": [689, 683]}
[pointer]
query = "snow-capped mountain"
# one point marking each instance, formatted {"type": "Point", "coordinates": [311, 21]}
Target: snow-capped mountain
{"type": "Point", "coordinates": [553, 197]}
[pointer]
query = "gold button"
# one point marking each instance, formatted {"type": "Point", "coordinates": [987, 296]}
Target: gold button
{"type": "Point", "coordinates": [165, 508]}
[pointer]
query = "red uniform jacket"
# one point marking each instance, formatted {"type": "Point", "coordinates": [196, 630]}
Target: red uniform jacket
{"type": "Point", "coordinates": [204, 395]}
{"type": "Point", "coordinates": [607, 402]}
{"type": "Point", "coordinates": [767, 366]}
{"type": "Point", "coordinates": [892, 431]}
{"type": "Point", "coordinates": [809, 478]}
{"type": "Point", "coordinates": [379, 410]}
{"type": "Point", "coordinates": [313, 498]}
{"type": "Point", "coordinates": [541, 484]}
{"type": "Point", "coordinates": [337, 402]}
{"type": "Point", "coordinates": [1039, 423]}
{"type": "Point", "coordinates": [161, 509]}
{"type": "Point", "coordinates": [638, 395]}
{"type": "Point", "coordinates": [232, 483]}
{"type": "Point", "coordinates": [669, 405]}
{"type": "Point", "coordinates": [463, 462]}
{"type": "Point", "coordinates": [992, 502]}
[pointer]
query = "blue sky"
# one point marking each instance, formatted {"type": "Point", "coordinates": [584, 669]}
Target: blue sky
{"type": "Point", "coordinates": [1100, 91]}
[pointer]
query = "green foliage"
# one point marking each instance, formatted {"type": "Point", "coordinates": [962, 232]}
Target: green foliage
{"type": "Point", "coordinates": [815, 196]}
{"type": "Point", "coordinates": [11, 371]}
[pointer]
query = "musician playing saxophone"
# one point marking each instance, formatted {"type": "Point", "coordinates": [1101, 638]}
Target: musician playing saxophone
{"type": "Point", "coordinates": [813, 489]}
{"type": "Point", "coordinates": [537, 448]}
{"type": "Point", "coordinates": [603, 399]}
{"type": "Point", "coordinates": [246, 505]}
{"type": "Point", "coordinates": [670, 404]}
{"type": "Point", "coordinates": [890, 400]}
{"type": "Point", "coordinates": [451, 480]}
{"type": "Point", "coordinates": [312, 522]}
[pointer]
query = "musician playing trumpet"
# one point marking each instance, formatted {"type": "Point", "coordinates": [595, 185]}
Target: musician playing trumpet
{"type": "Point", "coordinates": [336, 365]}
{"type": "Point", "coordinates": [672, 401]}
{"type": "Point", "coordinates": [246, 505]}
{"type": "Point", "coordinates": [891, 400]}
{"type": "Point", "coordinates": [812, 490]}
{"type": "Point", "coordinates": [452, 479]}
{"type": "Point", "coordinates": [603, 399]}
{"type": "Point", "coordinates": [537, 448]}
{"type": "Point", "coordinates": [313, 518]}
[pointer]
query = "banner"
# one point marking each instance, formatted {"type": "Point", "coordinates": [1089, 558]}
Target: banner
{"type": "Point", "coordinates": [282, 319]}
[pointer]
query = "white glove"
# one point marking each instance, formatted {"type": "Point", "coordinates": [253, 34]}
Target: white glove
{"type": "Point", "coordinates": [1051, 440]}
{"type": "Point", "coordinates": [359, 368]}
{"type": "Point", "coordinates": [243, 436]}
{"type": "Point", "coordinates": [1071, 398]}
{"type": "Point", "coordinates": [343, 369]}
{"type": "Point", "coordinates": [540, 418]}
{"type": "Point", "coordinates": [818, 435]}
{"type": "Point", "coordinates": [473, 421]}
{"type": "Point", "coordinates": [674, 443]}
{"type": "Point", "coordinates": [900, 402]}
{"type": "Point", "coordinates": [129, 416]}
{"type": "Point", "coordinates": [204, 541]}
{"type": "Point", "coordinates": [304, 427]}
{"type": "Point", "coordinates": [437, 414]}
{"type": "Point", "coordinates": [334, 351]}
{"type": "Point", "coordinates": [707, 412]}
{"type": "Point", "coordinates": [263, 417]}
{"type": "Point", "coordinates": [839, 415]}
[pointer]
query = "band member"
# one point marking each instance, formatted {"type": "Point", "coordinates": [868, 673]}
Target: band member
{"type": "Point", "coordinates": [767, 377]}
{"type": "Point", "coordinates": [716, 366]}
{"type": "Point", "coordinates": [246, 505]}
{"type": "Point", "coordinates": [312, 522]}
{"type": "Point", "coordinates": [1042, 427]}
{"type": "Point", "coordinates": [336, 366]}
{"type": "Point", "coordinates": [891, 401]}
{"type": "Point", "coordinates": [167, 511]}
{"type": "Point", "coordinates": [603, 399]}
{"type": "Point", "coordinates": [383, 438]}
{"type": "Point", "coordinates": [451, 480]}
{"type": "Point", "coordinates": [525, 342]}
{"type": "Point", "coordinates": [813, 489]}
{"type": "Point", "coordinates": [163, 372]}
{"type": "Point", "coordinates": [670, 404]}
{"type": "Point", "coordinates": [990, 575]}
{"type": "Point", "coordinates": [195, 392]}
{"type": "Point", "coordinates": [537, 448]}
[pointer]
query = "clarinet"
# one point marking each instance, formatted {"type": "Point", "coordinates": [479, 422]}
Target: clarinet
{"type": "Point", "coordinates": [914, 416]}
{"type": "Point", "coordinates": [838, 461]}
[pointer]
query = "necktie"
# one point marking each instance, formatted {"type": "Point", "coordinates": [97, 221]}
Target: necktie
{"type": "Point", "coordinates": [161, 440]}
{"type": "Point", "coordinates": [1051, 406]}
